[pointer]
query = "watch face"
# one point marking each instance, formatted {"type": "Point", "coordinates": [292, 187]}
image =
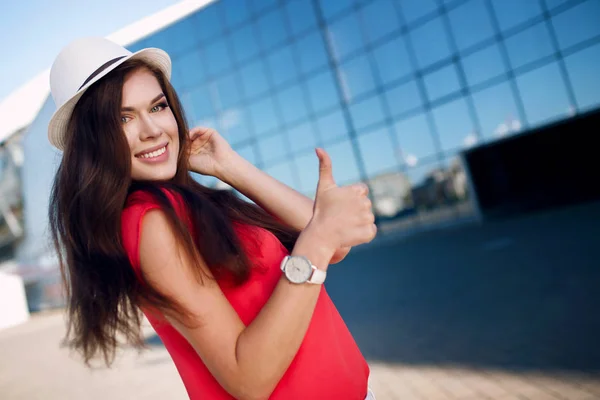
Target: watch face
{"type": "Point", "coordinates": [298, 269]}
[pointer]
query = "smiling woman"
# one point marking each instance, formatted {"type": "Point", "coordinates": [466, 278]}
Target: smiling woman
{"type": "Point", "coordinates": [233, 289]}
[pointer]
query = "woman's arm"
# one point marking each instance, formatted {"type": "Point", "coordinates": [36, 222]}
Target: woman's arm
{"type": "Point", "coordinates": [286, 204]}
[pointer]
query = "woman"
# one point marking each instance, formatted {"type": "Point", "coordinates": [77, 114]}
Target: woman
{"type": "Point", "coordinates": [234, 290]}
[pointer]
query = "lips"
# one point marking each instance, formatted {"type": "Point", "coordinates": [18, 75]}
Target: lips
{"type": "Point", "coordinates": [153, 152]}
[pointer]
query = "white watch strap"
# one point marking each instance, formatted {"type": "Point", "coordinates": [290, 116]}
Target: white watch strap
{"type": "Point", "coordinates": [318, 276]}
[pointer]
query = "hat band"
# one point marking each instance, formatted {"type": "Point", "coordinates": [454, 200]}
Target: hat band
{"type": "Point", "coordinates": [100, 69]}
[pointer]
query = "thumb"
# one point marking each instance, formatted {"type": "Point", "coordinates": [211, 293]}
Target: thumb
{"type": "Point", "coordinates": [326, 180]}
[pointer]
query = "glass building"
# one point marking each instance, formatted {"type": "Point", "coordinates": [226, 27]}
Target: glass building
{"type": "Point", "coordinates": [394, 90]}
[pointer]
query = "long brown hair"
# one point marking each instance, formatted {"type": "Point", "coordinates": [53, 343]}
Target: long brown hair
{"type": "Point", "coordinates": [89, 193]}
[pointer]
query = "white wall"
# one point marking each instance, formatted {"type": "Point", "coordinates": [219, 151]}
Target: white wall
{"type": "Point", "coordinates": [13, 303]}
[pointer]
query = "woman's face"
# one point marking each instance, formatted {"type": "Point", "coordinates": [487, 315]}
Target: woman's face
{"type": "Point", "coordinates": [150, 127]}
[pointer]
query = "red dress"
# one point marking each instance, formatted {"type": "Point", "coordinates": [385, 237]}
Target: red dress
{"type": "Point", "coordinates": [328, 365]}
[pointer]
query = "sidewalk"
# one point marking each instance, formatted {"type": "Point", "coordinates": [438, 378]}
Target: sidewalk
{"type": "Point", "coordinates": [33, 367]}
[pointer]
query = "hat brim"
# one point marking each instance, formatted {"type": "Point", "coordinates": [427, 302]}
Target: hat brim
{"type": "Point", "coordinates": [57, 127]}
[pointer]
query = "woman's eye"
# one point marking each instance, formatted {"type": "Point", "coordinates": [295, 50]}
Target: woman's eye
{"type": "Point", "coordinates": [124, 120]}
{"type": "Point", "coordinates": [158, 107]}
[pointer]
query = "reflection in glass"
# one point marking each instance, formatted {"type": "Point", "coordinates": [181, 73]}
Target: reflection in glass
{"type": "Point", "coordinates": [292, 104]}
{"type": "Point", "coordinates": [554, 3]}
{"type": "Point", "coordinates": [180, 37]}
{"type": "Point", "coordinates": [235, 12]}
{"type": "Point", "coordinates": [345, 36]}
{"type": "Point", "coordinates": [483, 65]}
{"type": "Point", "coordinates": [301, 15]}
{"type": "Point", "coordinates": [442, 82]}
{"type": "Point", "coordinates": [392, 60]}
{"type": "Point", "coordinates": [345, 168]}
{"type": "Point", "coordinates": [415, 9]}
{"type": "Point", "coordinates": [283, 173]}
{"type": "Point", "coordinates": [303, 136]}
{"type": "Point", "coordinates": [245, 45]}
{"type": "Point", "coordinates": [272, 148]}
{"type": "Point", "coordinates": [367, 112]}
{"type": "Point", "coordinates": [311, 52]}
{"type": "Point", "coordinates": [262, 113]}
{"type": "Point", "coordinates": [415, 139]}
{"type": "Point", "coordinates": [430, 42]}
{"type": "Point", "coordinates": [454, 125]}
{"type": "Point", "coordinates": [530, 45]}
{"type": "Point", "coordinates": [471, 23]}
{"type": "Point", "coordinates": [577, 24]}
{"type": "Point", "coordinates": [541, 100]}
{"type": "Point", "coordinates": [236, 124]}
{"type": "Point", "coordinates": [514, 12]}
{"type": "Point", "coordinates": [190, 67]}
{"type": "Point", "coordinates": [583, 68]}
{"type": "Point", "coordinates": [216, 58]}
{"type": "Point", "coordinates": [497, 111]}
{"type": "Point", "coordinates": [377, 151]}
{"type": "Point", "coordinates": [201, 102]}
{"type": "Point", "coordinates": [271, 29]}
{"type": "Point", "coordinates": [209, 22]}
{"type": "Point", "coordinates": [227, 94]}
{"type": "Point", "coordinates": [322, 91]}
{"type": "Point", "coordinates": [332, 8]}
{"type": "Point", "coordinates": [307, 165]}
{"type": "Point", "coordinates": [254, 78]}
{"type": "Point", "coordinates": [282, 66]}
{"type": "Point", "coordinates": [332, 126]}
{"type": "Point", "coordinates": [357, 77]}
{"type": "Point", "coordinates": [404, 98]}
{"type": "Point", "coordinates": [380, 19]}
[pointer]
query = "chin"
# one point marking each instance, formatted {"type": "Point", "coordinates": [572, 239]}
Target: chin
{"type": "Point", "coordinates": [156, 175]}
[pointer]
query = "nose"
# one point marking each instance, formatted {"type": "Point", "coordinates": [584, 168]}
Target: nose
{"type": "Point", "coordinates": [149, 128]}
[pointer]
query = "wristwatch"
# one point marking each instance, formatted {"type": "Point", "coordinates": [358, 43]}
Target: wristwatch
{"type": "Point", "coordinates": [298, 269]}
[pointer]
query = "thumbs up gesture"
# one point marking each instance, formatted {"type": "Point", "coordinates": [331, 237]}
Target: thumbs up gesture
{"type": "Point", "coordinates": [342, 216]}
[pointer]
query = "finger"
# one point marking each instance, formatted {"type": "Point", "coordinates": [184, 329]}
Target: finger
{"type": "Point", "coordinates": [197, 131]}
{"type": "Point", "coordinates": [326, 180]}
{"type": "Point", "coordinates": [361, 189]}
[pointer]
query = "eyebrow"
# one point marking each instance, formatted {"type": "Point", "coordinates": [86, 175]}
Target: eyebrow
{"type": "Point", "coordinates": [154, 100]}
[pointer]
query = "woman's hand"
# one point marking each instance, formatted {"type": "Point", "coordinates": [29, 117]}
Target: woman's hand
{"type": "Point", "coordinates": [209, 151]}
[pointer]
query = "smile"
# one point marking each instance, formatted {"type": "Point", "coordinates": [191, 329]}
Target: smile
{"type": "Point", "coordinates": [153, 154]}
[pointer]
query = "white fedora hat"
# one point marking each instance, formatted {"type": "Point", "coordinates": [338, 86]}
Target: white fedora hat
{"type": "Point", "coordinates": [82, 63]}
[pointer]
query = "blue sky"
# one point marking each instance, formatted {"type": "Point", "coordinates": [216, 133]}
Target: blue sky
{"type": "Point", "coordinates": [34, 31]}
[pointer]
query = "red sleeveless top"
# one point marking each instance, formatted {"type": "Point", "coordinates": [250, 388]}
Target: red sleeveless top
{"type": "Point", "coordinates": [328, 365]}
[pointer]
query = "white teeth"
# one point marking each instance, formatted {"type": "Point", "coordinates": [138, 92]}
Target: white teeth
{"type": "Point", "coordinates": [155, 153]}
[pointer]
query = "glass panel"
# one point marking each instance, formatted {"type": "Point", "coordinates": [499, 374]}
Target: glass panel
{"type": "Point", "coordinates": [262, 113]}
{"type": "Point", "coordinates": [271, 29]}
{"type": "Point", "coordinates": [404, 98]}
{"type": "Point", "coordinates": [244, 43]}
{"type": "Point", "coordinates": [345, 168]}
{"type": "Point", "coordinates": [292, 104]}
{"type": "Point", "coordinates": [497, 112]}
{"type": "Point", "coordinates": [301, 15]}
{"type": "Point", "coordinates": [392, 60]}
{"type": "Point", "coordinates": [483, 65]}
{"type": "Point", "coordinates": [237, 125]}
{"type": "Point", "coordinates": [577, 24]}
{"type": "Point", "coordinates": [415, 9]}
{"type": "Point", "coordinates": [332, 126]}
{"type": "Point", "coordinates": [367, 112]}
{"type": "Point", "coordinates": [272, 148]}
{"type": "Point", "coordinates": [471, 23]}
{"type": "Point", "coordinates": [454, 125]}
{"type": "Point", "coordinates": [311, 52]}
{"type": "Point", "coordinates": [553, 3]}
{"type": "Point", "coordinates": [357, 77]}
{"type": "Point", "coordinates": [254, 78]}
{"type": "Point", "coordinates": [235, 12]}
{"type": "Point", "coordinates": [282, 66]}
{"type": "Point", "coordinates": [332, 8]}
{"type": "Point", "coordinates": [530, 45]}
{"type": "Point", "coordinates": [208, 22]}
{"type": "Point", "coordinates": [180, 37]}
{"type": "Point", "coordinates": [247, 152]}
{"type": "Point", "coordinates": [415, 139]}
{"type": "Point", "coordinates": [380, 19]}
{"type": "Point", "coordinates": [227, 94]}
{"type": "Point", "coordinates": [513, 12]}
{"type": "Point", "coordinates": [282, 172]}
{"type": "Point", "coordinates": [308, 171]}
{"type": "Point", "coordinates": [201, 102]}
{"type": "Point", "coordinates": [583, 68]}
{"type": "Point", "coordinates": [190, 66]}
{"type": "Point", "coordinates": [544, 94]}
{"type": "Point", "coordinates": [216, 58]}
{"type": "Point", "coordinates": [377, 151]}
{"type": "Point", "coordinates": [260, 5]}
{"type": "Point", "coordinates": [430, 43]}
{"type": "Point", "coordinates": [441, 82]}
{"type": "Point", "coordinates": [302, 137]}
{"type": "Point", "coordinates": [345, 36]}
{"type": "Point", "coordinates": [322, 91]}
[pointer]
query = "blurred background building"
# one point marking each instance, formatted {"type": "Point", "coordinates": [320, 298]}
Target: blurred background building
{"type": "Point", "coordinates": [395, 90]}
